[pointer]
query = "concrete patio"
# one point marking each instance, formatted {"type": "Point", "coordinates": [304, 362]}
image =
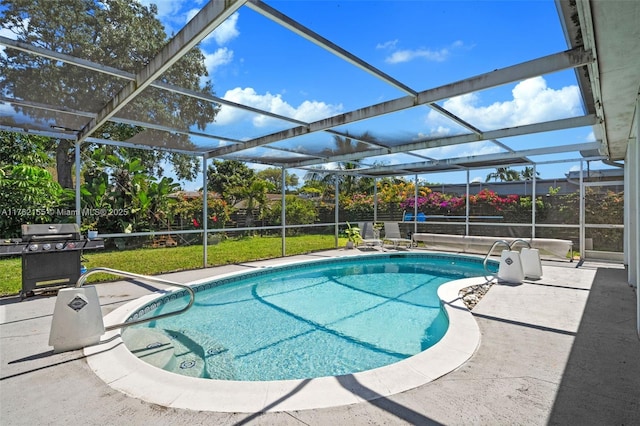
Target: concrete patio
{"type": "Point", "coordinates": [560, 350]}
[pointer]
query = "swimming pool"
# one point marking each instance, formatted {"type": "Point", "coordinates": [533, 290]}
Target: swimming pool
{"type": "Point", "coordinates": [324, 318]}
{"type": "Point", "coordinates": [123, 371]}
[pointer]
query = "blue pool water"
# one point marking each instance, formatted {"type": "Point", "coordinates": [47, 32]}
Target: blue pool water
{"type": "Point", "coordinates": [318, 319]}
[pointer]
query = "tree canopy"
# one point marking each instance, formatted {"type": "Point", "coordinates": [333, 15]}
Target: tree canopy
{"type": "Point", "coordinates": [273, 175]}
{"type": "Point", "coordinates": [18, 148]}
{"type": "Point", "coordinates": [226, 177]}
{"type": "Point", "coordinates": [116, 33]}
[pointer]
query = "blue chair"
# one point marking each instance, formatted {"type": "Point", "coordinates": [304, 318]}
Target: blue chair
{"type": "Point", "coordinates": [408, 217]}
{"type": "Point", "coordinates": [421, 217]}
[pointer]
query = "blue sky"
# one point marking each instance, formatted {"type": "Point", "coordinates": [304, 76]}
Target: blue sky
{"type": "Point", "coordinates": [422, 43]}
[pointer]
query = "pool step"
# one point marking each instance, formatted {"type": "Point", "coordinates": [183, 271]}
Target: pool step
{"type": "Point", "coordinates": [181, 352]}
{"type": "Point", "coordinates": [218, 361]}
{"type": "Point", "coordinates": [152, 346]}
{"type": "Point", "coordinates": [188, 354]}
{"type": "Point", "coordinates": [170, 350]}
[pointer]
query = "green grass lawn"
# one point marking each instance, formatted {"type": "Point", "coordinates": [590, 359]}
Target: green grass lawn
{"type": "Point", "coordinates": [152, 261]}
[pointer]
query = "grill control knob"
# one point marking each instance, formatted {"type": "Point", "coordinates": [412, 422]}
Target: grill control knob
{"type": "Point", "coordinates": [59, 246]}
{"type": "Point", "coordinates": [46, 246]}
{"type": "Point", "coordinates": [33, 247]}
{"type": "Point", "coordinates": [71, 245]}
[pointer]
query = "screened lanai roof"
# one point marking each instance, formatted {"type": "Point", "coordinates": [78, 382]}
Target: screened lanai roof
{"type": "Point", "coordinates": [601, 50]}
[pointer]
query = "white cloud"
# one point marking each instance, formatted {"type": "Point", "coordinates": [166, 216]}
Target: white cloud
{"type": "Point", "coordinates": [226, 31]}
{"type": "Point", "coordinates": [533, 101]}
{"type": "Point", "coordinates": [391, 44]}
{"type": "Point", "coordinates": [439, 131]}
{"type": "Point", "coordinates": [407, 55]}
{"type": "Point", "coordinates": [306, 111]}
{"type": "Point", "coordinates": [314, 110]}
{"type": "Point", "coordinates": [221, 56]}
{"type": "Point", "coordinates": [478, 148]}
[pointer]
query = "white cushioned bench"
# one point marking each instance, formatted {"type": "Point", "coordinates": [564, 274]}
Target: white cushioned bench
{"type": "Point", "coordinates": [549, 247]}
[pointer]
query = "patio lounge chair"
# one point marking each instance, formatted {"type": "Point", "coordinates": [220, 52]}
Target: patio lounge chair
{"type": "Point", "coordinates": [408, 217]}
{"type": "Point", "coordinates": [368, 234]}
{"type": "Point", "coordinates": [392, 234]}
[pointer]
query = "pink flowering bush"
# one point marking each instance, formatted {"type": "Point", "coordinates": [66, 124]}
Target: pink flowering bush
{"type": "Point", "coordinates": [484, 203]}
{"type": "Point", "coordinates": [435, 203]}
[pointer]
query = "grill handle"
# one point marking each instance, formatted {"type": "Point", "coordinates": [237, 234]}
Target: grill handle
{"type": "Point", "coordinates": [53, 237]}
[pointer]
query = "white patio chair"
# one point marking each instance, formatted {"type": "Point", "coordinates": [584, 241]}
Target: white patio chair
{"type": "Point", "coordinates": [368, 234]}
{"type": "Point", "coordinates": [392, 234]}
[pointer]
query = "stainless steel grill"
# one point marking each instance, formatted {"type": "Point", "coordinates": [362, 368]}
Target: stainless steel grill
{"type": "Point", "coordinates": [51, 255]}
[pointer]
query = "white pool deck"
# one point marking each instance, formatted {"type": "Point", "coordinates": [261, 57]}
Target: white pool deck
{"type": "Point", "coordinates": [559, 350]}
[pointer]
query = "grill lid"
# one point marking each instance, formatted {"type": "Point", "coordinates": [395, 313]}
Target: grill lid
{"type": "Point", "coordinates": [52, 231]}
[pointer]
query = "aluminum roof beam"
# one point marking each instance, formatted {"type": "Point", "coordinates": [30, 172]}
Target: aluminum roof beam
{"type": "Point", "coordinates": [375, 143]}
{"type": "Point", "coordinates": [468, 126]}
{"type": "Point", "coordinates": [545, 65]}
{"type": "Point", "coordinates": [121, 120]}
{"type": "Point", "coordinates": [547, 126]}
{"type": "Point", "coordinates": [58, 135]}
{"type": "Point", "coordinates": [588, 38]}
{"type": "Point", "coordinates": [451, 116]}
{"type": "Point", "coordinates": [210, 16]}
{"type": "Point", "coordinates": [62, 57]}
{"type": "Point", "coordinates": [140, 146]}
{"type": "Point", "coordinates": [466, 161]}
{"type": "Point", "coordinates": [46, 107]}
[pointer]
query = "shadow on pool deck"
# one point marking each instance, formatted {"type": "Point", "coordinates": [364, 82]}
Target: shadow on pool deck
{"type": "Point", "coordinates": [572, 360]}
{"type": "Point", "coordinates": [601, 380]}
{"type": "Point", "coordinates": [386, 404]}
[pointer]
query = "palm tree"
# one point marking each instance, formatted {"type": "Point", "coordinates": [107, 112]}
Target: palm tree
{"type": "Point", "coordinates": [527, 173]}
{"type": "Point", "coordinates": [321, 180]}
{"type": "Point", "coordinates": [256, 195]}
{"type": "Point", "coordinates": [504, 174]}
